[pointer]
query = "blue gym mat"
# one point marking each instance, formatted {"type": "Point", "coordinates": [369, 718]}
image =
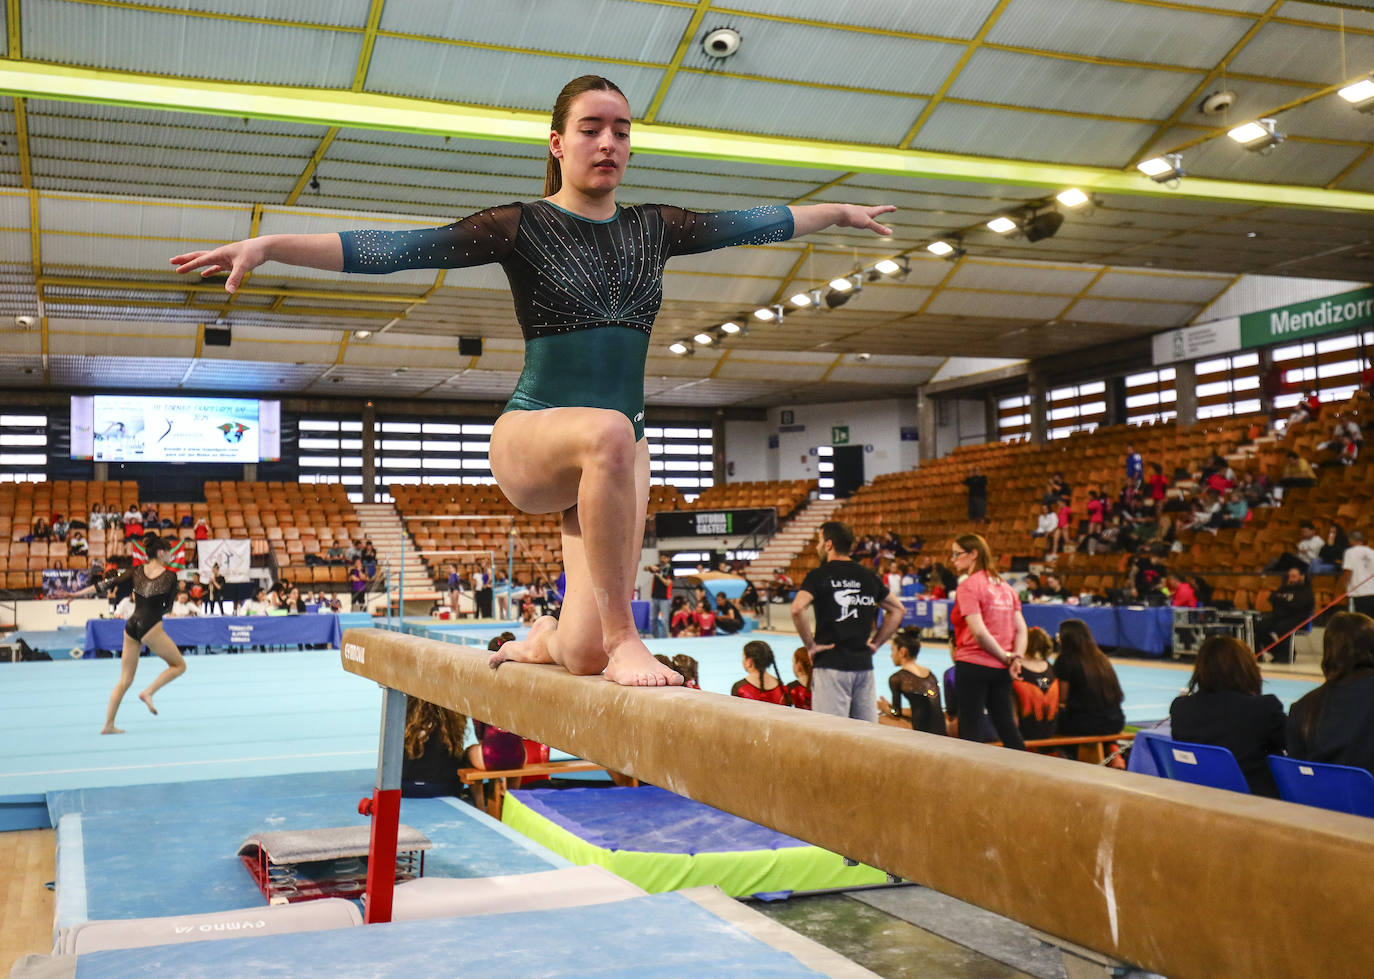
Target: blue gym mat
{"type": "Point", "coordinates": [153, 850]}
{"type": "Point", "coordinates": [661, 935]}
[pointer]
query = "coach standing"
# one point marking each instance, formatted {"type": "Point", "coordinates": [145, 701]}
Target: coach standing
{"type": "Point", "coordinates": [847, 598]}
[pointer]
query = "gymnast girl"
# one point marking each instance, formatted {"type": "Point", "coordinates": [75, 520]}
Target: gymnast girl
{"type": "Point", "coordinates": [155, 589]}
{"type": "Point", "coordinates": [587, 278]}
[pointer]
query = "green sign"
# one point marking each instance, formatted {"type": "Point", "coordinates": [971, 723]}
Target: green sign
{"type": "Point", "coordinates": [1347, 311]}
{"type": "Point", "coordinates": [839, 435]}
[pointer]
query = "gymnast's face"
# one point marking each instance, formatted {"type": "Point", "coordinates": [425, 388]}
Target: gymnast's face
{"type": "Point", "coordinates": [595, 145]}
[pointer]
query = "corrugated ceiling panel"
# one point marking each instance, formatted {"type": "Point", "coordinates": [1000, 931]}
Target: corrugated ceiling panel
{"type": "Point", "coordinates": [1360, 178]}
{"type": "Point", "coordinates": [764, 366]}
{"type": "Point", "coordinates": [732, 168]}
{"type": "Point", "coordinates": [1254, 293]}
{"type": "Point", "coordinates": [955, 303]}
{"type": "Point", "coordinates": [480, 384]}
{"type": "Point", "coordinates": [1012, 78]}
{"type": "Point", "coordinates": [111, 253]}
{"type": "Point", "coordinates": [1030, 136]}
{"type": "Point", "coordinates": [1328, 15]}
{"type": "Point", "coordinates": [131, 158]}
{"type": "Point", "coordinates": [229, 127]}
{"type": "Point", "coordinates": [335, 13]}
{"type": "Point", "coordinates": [122, 188]}
{"type": "Point", "coordinates": [787, 110]}
{"type": "Point", "coordinates": [471, 75]}
{"type": "Point", "coordinates": [859, 373]}
{"type": "Point", "coordinates": [945, 18]}
{"type": "Point", "coordinates": [609, 29]}
{"type": "Point", "coordinates": [1305, 53]}
{"type": "Point", "coordinates": [1120, 30]}
{"type": "Point", "coordinates": [1133, 313]}
{"type": "Point", "coordinates": [771, 262]}
{"type": "Point", "coordinates": [352, 195]}
{"type": "Point", "coordinates": [118, 372]}
{"type": "Point", "coordinates": [4, 30]}
{"type": "Point", "coordinates": [133, 40]}
{"type": "Point", "coordinates": [718, 289]}
{"type": "Point", "coordinates": [1185, 288]}
{"type": "Point", "coordinates": [239, 150]}
{"type": "Point", "coordinates": [639, 181]}
{"type": "Point", "coordinates": [1310, 164]}
{"type": "Point", "coordinates": [497, 187]}
{"type": "Point", "coordinates": [797, 52]}
{"type": "Point", "coordinates": [479, 155]}
{"type": "Point", "coordinates": [1330, 118]}
{"type": "Point", "coordinates": [1242, 6]}
{"type": "Point", "coordinates": [184, 225]}
{"type": "Point", "coordinates": [1029, 278]}
{"type": "Point", "coordinates": [159, 181]}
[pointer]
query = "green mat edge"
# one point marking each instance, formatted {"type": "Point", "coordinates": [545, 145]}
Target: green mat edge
{"type": "Point", "coordinates": [738, 873]}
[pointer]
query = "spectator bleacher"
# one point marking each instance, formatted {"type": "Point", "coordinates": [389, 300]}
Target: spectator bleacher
{"type": "Point", "coordinates": [785, 495]}
{"type": "Point", "coordinates": [289, 521]}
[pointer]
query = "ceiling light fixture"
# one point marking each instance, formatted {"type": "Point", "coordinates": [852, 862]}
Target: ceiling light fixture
{"type": "Point", "coordinates": [1073, 197]}
{"type": "Point", "coordinates": [940, 248]}
{"type": "Point", "coordinates": [801, 300]}
{"type": "Point", "coordinates": [1002, 225]}
{"type": "Point", "coordinates": [363, 334]}
{"type": "Point", "coordinates": [841, 284]}
{"type": "Point", "coordinates": [772, 313]}
{"type": "Point", "coordinates": [731, 328]}
{"type": "Point", "coordinates": [680, 348]}
{"type": "Point", "coordinates": [1359, 94]}
{"type": "Point", "coordinates": [705, 339]}
{"type": "Point", "coordinates": [887, 267]}
{"type": "Point", "coordinates": [1162, 169]}
{"type": "Point", "coordinates": [1260, 136]}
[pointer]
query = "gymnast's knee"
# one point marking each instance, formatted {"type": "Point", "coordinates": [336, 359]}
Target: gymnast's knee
{"type": "Point", "coordinates": [609, 442]}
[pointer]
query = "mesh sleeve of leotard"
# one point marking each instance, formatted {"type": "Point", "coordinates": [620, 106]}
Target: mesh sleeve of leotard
{"type": "Point", "coordinates": [690, 232]}
{"type": "Point", "coordinates": [487, 236]}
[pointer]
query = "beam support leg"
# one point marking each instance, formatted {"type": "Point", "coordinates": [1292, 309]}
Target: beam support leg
{"type": "Point", "coordinates": [385, 809]}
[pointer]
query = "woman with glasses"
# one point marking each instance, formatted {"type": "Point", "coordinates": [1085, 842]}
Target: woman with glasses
{"type": "Point", "coordinates": [989, 640]}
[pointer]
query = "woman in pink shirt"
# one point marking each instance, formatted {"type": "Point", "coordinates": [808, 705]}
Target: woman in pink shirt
{"type": "Point", "coordinates": [1184, 595]}
{"type": "Point", "coordinates": [989, 641]}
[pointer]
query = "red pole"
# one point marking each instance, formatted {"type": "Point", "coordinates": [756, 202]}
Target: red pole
{"type": "Point", "coordinates": [1303, 624]}
{"type": "Point", "coordinates": [385, 809]}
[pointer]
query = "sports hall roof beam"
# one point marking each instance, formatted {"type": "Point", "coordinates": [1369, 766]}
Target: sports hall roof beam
{"type": "Point", "coordinates": [389, 113]}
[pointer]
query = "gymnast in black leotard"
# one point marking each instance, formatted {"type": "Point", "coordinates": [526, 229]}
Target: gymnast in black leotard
{"type": "Point", "coordinates": [587, 277]}
{"type": "Point", "coordinates": [155, 589]}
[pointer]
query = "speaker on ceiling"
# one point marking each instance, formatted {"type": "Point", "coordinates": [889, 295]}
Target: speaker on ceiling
{"type": "Point", "coordinates": [1043, 225]}
{"type": "Point", "coordinates": [469, 346]}
{"type": "Point", "coordinates": [218, 336]}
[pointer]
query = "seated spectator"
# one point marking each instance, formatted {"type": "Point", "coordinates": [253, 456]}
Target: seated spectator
{"type": "Point", "coordinates": [96, 520]}
{"type": "Point", "coordinates": [1332, 551]}
{"type": "Point", "coordinates": [781, 587]}
{"type": "Point", "coordinates": [1052, 590]}
{"type": "Point", "coordinates": [433, 750]}
{"type": "Point", "coordinates": [369, 556]}
{"type": "Point", "coordinates": [1089, 692]}
{"type": "Point", "coordinates": [201, 531]}
{"type": "Point", "coordinates": [41, 530]}
{"type": "Point", "coordinates": [705, 617]}
{"type": "Point", "coordinates": [334, 554]}
{"type": "Point", "coordinates": [1345, 442]}
{"type": "Point", "coordinates": [1046, 524]}
{"type": "Point", "coordinates": [690, 670]}
{"type": "Point", "coordinates": [1334, 724]}
{"type": "Point", "coordinates": [59, 527]}
{"type": "Point", "coordinates": [728, 618]}
{"type": "Point", "coordinates": [1234, 510]}
{"type": "Point", "coordinates": [77, 544]}
{"type": "Point", "coordinates": [749, 598]}
{"type": "Point", "coordinates": [195, 588]}
{"type": "Point", "coordinates": [1036, 691]}
{"type": "Point", "coordinates": [1292, 604]}
{"type": "Point", "coordinates": [1304, 552]}
{"type": "Point", "coordinates": [255, 603]}
{"type": "Point", "coordinates": [293, 603]}
{"type": "Point", "coordinates": [914, 682]}
{"type": "Point", "coordinates": [133, 522]}
{"type": "Point", "coordinates": [800, 688]}
{"type": "Point", "coordinates": [1226, 706]}
{"type": "Point", "coordinates": [1030, 588]}
{"type": "Point", "coordinates": [1297, 471]}
{"type": "Point", "coordinates": [197, 607]}
{"type": "Point", "coordinates": [1182, 594]}
{"type": "Point", "coordinates": [757, 683]}
{"type": "Point", "coordinates": [353, 551]}
{"type": "Point", "coordinates": [680, 617]}
{"type": "Point", "coordinates": [182, 607]}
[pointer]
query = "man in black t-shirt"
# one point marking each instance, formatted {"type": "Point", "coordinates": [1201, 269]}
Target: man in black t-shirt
{"type": "Point", "coordinates": [660, 591]}
{"type": "Point", "coordinates": [847, 598]}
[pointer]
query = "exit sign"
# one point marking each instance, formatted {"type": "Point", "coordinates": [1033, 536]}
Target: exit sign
{"type": "Point", "coordinates": [839, 435]}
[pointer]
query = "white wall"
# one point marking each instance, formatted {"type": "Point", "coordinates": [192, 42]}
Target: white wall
{"type": "Point", "coordinates": [875, 423]}
{"type": "Point", "coordinates": [959, 421]}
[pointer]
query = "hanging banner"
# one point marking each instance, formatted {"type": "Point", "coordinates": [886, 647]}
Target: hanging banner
{"type": "Point", "coordinates": [1335, 314]}
{"type": "Point", "coordinates": [232, 556]}
{"type": "Point", "coordinates": [1192, 342]}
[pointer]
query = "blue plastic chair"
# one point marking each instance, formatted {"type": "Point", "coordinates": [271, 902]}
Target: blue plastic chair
{"type": "Point", "coordinates": [1200, 764]}
{"type": "Point", "coordinates": [1343, 788]}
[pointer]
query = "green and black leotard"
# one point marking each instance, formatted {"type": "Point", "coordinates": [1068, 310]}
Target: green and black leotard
{"type": "Point", "coordinates": [586, 292]}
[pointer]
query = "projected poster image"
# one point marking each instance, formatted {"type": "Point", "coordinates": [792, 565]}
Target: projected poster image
{"type": "Point", "coordinates": [140, 429]}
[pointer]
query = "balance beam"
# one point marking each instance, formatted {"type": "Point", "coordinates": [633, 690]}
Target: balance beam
{"type": "Point", "coordinates": [1179, 879]}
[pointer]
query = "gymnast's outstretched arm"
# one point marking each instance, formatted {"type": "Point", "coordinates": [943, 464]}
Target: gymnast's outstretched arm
{"type": "Point", "coordinates": [814, 217]}
{"type": "Point", "coordinates": [324, 251]}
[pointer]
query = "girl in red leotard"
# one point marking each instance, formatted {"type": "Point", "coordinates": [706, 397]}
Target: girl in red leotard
{"type": "Point", "coordinates": [800, 688]}
{"type": "Point", "coordinates": [757, 684]}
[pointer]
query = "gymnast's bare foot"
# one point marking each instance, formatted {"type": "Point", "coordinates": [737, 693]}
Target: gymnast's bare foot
{"type": "Point", "coordinates": [111, 729]}
{"type": "Point", "coordinates": [148, 702]}
{"type": "Point", "coordinates": [632, 665]}
{"type": "Point", "coordinates": [534, 648]}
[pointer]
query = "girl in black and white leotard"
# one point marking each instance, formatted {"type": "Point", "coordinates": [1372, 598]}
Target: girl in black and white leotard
{"type": "Point", "coordinates": [155, 589]}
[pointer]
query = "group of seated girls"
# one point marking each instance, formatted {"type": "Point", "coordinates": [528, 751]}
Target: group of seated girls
{"type": "Point", "coordinates": [434, 750]}
{"type": "Point", "coordinates": [1225, 706]}
{"type": "Point", "coordinates": [1076, 694]}
{"type": "Point", "coordinates": [759, 684]}
{"type": "Point", "coordinates": [704, 618]}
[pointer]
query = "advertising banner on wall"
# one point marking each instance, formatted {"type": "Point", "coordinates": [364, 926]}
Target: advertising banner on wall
{"type": "Point", "coordinates": [1191, 342]}
{"type": "Point", "coordinates": [1335, 314]}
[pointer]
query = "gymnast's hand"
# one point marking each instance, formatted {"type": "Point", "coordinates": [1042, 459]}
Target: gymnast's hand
{"type": "Point", "coordinates": [813, 217]}
{"type": "Point", "coordinates": [857, 216]}
{"type": "Point", "coordinates": [238, 259]}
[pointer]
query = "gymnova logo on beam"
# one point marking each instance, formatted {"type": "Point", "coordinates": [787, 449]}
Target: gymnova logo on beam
{"type": "Point", "coordinates": [352, 651]}
{"type": "Point", "coordinates": [1347, 311]}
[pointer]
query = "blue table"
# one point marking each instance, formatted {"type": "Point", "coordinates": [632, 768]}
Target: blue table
{"type": "Point", "coordinates": [1146, 630]}
{"type": "Point", "coordinates": [226, 630]}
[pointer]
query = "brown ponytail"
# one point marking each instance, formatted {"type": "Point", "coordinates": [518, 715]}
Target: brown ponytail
{"type": "Point", "coordinates": [553, 171]}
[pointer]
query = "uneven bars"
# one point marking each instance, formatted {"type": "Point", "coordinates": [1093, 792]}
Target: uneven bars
{"type": "Point", "coordinates": [1177, 878]}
